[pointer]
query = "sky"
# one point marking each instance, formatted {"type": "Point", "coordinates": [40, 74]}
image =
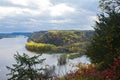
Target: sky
{"type": "Point", "coordinates": [39, 15]}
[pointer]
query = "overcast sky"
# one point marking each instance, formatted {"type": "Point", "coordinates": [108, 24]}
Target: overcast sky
{"type": "Point", "coordinates": [37, 15]}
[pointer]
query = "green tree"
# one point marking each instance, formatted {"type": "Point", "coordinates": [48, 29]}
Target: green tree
{"type": "Point", "coordinates": [105, 45]}
{"type": "Point", "coordinates": [26, 68]}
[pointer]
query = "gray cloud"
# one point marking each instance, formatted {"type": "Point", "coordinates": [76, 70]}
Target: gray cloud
{"type": "Point", "coordinates": [79, 14]}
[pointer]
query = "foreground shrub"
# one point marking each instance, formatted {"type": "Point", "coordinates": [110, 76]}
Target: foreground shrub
{"type": "Point", "coordinates": [84, 72]}
{"type": "Point", "coordinates": [113, 72]}
{"type": "Point", "coordinates": [90, 72]}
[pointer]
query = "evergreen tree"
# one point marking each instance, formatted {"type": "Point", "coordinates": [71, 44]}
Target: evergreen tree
{"type": "Point", "coordinates": [105, 45]}
{"type": "Point", "coordinates": [26, 68]}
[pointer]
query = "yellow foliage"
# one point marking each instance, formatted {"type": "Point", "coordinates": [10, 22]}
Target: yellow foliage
{"type": "Point", "coordinates": [40, 47]}
{"type": "Point", "coordinates": [31, 43]}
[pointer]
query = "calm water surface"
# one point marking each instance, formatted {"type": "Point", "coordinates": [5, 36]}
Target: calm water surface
{"type": "Point", "coordinates": [9, 47]}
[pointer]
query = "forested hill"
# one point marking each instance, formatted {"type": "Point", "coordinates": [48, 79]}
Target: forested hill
{"type": "Point", "coordinates": [61, 37]}
{"type": "Point", "coordinates": [71, 41]}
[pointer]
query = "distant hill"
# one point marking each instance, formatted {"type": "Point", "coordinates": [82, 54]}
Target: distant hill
{"type": "Point", "coordinates": [35, 35]}
{"type": "Point", "coordinates": [45, 36]}
{"type": "Point", "coordinates": [61, 40]}
{"type": "Point", "coordinates": [14, 34]}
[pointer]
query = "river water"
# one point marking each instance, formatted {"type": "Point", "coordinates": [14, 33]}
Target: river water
{"type": "Point", "coordinates": [9, 47]}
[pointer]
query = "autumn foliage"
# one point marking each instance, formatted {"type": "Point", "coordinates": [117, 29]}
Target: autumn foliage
{"type": "Point", "coordinates": [90, 72]}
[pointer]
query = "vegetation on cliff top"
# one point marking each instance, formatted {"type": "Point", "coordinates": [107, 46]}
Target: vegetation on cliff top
{"type": "Point", "coordinates": [59, 41]}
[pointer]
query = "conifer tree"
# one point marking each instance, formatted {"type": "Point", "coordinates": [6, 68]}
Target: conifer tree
{"type": "Point", "coordinates": [105, 45]}
{"type": "Point", "coordinates": [26, 68]}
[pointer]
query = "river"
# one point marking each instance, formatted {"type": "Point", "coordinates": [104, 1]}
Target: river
{"type": "Point", "coordinates": [9, 47]}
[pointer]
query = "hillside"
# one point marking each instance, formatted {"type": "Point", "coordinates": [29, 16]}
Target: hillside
{"type": "Point", "coordinates": [14, 34]}
{"type": "Point", "coordinates": [62, 41]}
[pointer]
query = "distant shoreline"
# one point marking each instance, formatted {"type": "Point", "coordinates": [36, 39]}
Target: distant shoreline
{"type": "Point", "coordinates": [13, 35]}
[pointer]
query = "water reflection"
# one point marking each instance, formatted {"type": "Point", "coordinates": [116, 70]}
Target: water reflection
{"type": "Point", "coordinates": [9, 46]}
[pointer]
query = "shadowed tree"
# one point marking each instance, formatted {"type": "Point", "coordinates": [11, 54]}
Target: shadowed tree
{"type": "Point", "coordinates": [105, 45]}
{"type": "Point", "coordinates": [26, 68]}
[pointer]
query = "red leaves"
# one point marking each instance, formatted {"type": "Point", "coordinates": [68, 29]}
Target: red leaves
{"type": "Point", "coordinates": [90, 72]}
{"type": "Point", "coordinates": [114, 71]}
{"type": "Point", "coordinates": [108, 74]}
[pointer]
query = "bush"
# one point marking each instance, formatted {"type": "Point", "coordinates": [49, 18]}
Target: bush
{"type": "Point", "coordinates": [113, 72]}
{"type": "Point", "coordinates": [90, 72]}
{"type": "Point", "coordinates": [84, 72]}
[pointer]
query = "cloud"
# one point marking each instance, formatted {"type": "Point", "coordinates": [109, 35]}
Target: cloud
{"type": "Point", "coordinates": [94, 18]}
{"type": "Point", "coordinates": [6, 11]}
{"type": "Point", "coordinates": [34, 8]}
{"type": "Point", "coordinates": [61, 21]}
{"type": "Point", "coordinates": [32, 15]}
{"type": "Point", "coordinates": [43, 4]}
{"type": "Point", "coordinates": [19, 2]}
{"type": "Point", "coordinates": [60, 9]}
